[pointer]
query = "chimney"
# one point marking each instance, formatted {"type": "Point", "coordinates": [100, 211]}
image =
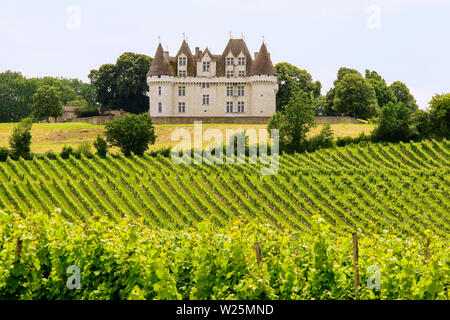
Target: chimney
{"type": "Point", "coordinates": [256, 55]}
{"type": "Point", "coordinates": [197, 52]}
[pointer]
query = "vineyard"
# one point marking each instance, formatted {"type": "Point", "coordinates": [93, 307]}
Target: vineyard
{"type": "Point", "coordinates": [145, 228]}
{"type": "Point", "coordinates": [401, 188]}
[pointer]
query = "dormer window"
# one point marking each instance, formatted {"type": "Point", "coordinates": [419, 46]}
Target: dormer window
{"type": "Point", "coordinates": [241, 61]}
{"type": "Point", "coordinates": [182, 61]}
{"type": "Point", "coordinates": [182, 73]}
{"type": "Point", "coordinates": [230, 73]}
{"type": "Point", "coordinates": [230, 61]}
{"type": "Point", "coordinates": [241, 73]}
{"type": "Point", "coordinates": [206, 66]}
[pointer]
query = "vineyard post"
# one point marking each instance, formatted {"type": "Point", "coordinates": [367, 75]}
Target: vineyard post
{"type": "Point", "coordinates": [18, 249]}
{"type": "Point", "coordinates": [355, 261]}
{"type": "Point", "coordinates": [258, 250]}
{"type": "Point", "coordinates": [427, 249]}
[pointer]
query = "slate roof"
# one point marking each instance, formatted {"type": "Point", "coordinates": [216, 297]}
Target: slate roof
{"type": "Point", "coordinates": [165, 65]}
{"type": "Point", "coordinates": [263, 64]}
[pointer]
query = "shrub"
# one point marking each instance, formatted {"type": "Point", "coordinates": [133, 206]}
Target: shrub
{"type": "Point", "coordinates": [4, 154]}
{"type": "Point", "coordinates": [323, 140]}
{"type": "Point", "coordinates": [51, 155]}
{"type": "Point", "coordinates": [84, 149]}
{"type": "Point", "coordinates": [20, 140]}
{"type": "Point", "coordinates": [394, 123]}
{"type": "Point", "coordinates": [66, 152]}
{"type": "Point", "coordinates": [131, 133]}
{"type": "Point", "coordinates": [87, 112]}
{"type": "Point", "coordinates": [101, 146]}
{"type": "Point", "coordinates": [165, 152]}
{"type": "Point", "coordinates": [343, 141]}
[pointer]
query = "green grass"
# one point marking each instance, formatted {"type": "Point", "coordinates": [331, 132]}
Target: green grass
{"type": "Point", "coordinates": [53, 136]}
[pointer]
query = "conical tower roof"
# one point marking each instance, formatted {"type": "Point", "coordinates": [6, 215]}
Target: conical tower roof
{"type": "Point", "coordinates": [160, 64]}
{"type": "Point", "coordinates": [263, 64]}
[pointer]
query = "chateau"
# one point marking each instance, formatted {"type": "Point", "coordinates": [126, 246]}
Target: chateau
{"type": "Point", "coordinates": [209, 86]}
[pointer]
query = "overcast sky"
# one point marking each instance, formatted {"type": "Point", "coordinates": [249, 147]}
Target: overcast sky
{"type": "Point", "coordinates": [406, 40]}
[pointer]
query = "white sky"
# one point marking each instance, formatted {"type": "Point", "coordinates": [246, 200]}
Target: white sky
{"type": "Point", "coordinates": [406, 40]}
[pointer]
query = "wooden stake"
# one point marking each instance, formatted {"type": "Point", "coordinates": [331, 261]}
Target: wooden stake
{"type": "Point", "coordinates": [355, 261]}
{"type": "Point", "coordinates": [427, 249]}
{"type": "Point", "coordinates": [18, 249]}
{"type": "Point", "coordinates": [258, 250]}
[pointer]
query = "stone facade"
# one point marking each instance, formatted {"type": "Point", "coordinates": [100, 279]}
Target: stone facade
{"type": "Point", "coordinates": [230, 85]}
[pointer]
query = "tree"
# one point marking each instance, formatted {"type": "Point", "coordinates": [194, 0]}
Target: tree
{"type": "Point", "coordinates": [123, 85]}
{"type": "Point", "coordinates": [47, 103]}
{"type": "Point", "coordinates": [294, 121]}
{"type": "Point", "coordinates": [402, 94]}
{"type": "Point", "coordinates": [394, 123]}
{"type": "Point", "coordinates": [383, 93]}
{"type": "Point", "coordinates": [440, 114]}
{"type": "Point", "coordinates": [421, 124]}
{"type": "Point", "coordinates": [20, 140]}
{"type": "Point", "coordinates": [16, 94]}
{"type": "Point", "coordinates": [292, 79]}
{"type": "Point", "coordinates": [343, 71]}
{"type": "Point", "coordinates": [328, 108]}
{"type": "Point", "coordinates": [131, 133]}
{"type": "Point", "coordinates": [354, 96]}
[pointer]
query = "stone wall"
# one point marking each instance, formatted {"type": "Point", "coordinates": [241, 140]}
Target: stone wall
{"type": "Point", "coordinates": [99, 120]}
{"type": "Point", "coordinates": [211, 120]}
{"type": "Point", "coordinates": [244, 120]}
{"type": "Point", "coordinates": [332, 119]}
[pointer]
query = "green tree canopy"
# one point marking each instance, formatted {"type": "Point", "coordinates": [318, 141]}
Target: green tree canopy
{"type": "Point", "coordinates": [394, 123]}
{"type": "Point", "coordinates": [440, 114]}
{"type": "Point", "coordinates": [47, 102]}
{"type": "Point", "coordinates": [294, 121]}
{"type": "Point", "coordinates": [20, 140]}
{"type": "Point", "coordinates": [123, 85]}
{"type": "Point", "coordinates": [355, 97]}
{"type": "Point", "coordinates": [292, 79]}
{"type": "Point", "coordinates": [16, 94]}
{"type": "Point", "coordinates": [402, 94]}
{"type": "Point", "coordinates": [131, 133]}
{"type": "Point", "coordinates": [343, 71]}
{"type": "Point", "coordinates": [383, 93]}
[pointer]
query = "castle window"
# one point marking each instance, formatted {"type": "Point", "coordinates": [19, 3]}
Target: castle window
{"type": "Point", "coordinates": [206, 99]}
{"type": "Point", "coordinates": [206, 66]}
{"type": "Point", "coordinates": [230, 73]}
{"type": "Point", "coordinates": [181, 91]}
{"type": "Point", "coordinates": [182, 73]}
{"type": "Point", "coordinates": [229, 106]}
{"type": "Point", "coordinates": [160, 107]}
{"type": "Point", "coordinates": [159, 91]}
{"type": "Point", "coordinates": [241, 106]}
{"type": "Point", "coordinates": [241, 73]}
{"type": "Point", "coordinates": [230, 61]}
{"type": "Point", "coordinates": [241, 91]}
{"type": "Point", "coordinates": [182, 61]}
{"type": "Point", "coordinates": [205, 85]}
{"type": "Point", "coordinates": [230, 91]}
{"type": "Point", "coordinates": [181, 107]}
{"type": "Point", "coordinates": [241, 61]}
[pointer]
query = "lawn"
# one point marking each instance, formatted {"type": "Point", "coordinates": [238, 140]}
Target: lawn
{"type": "Point", "coordinates": [53, 136]}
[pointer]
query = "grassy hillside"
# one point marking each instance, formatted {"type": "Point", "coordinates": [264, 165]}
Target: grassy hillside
{"type": "Point", "coordinates": [50, 136]}
{"type": "Point", "coordinates": [401, 188]}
